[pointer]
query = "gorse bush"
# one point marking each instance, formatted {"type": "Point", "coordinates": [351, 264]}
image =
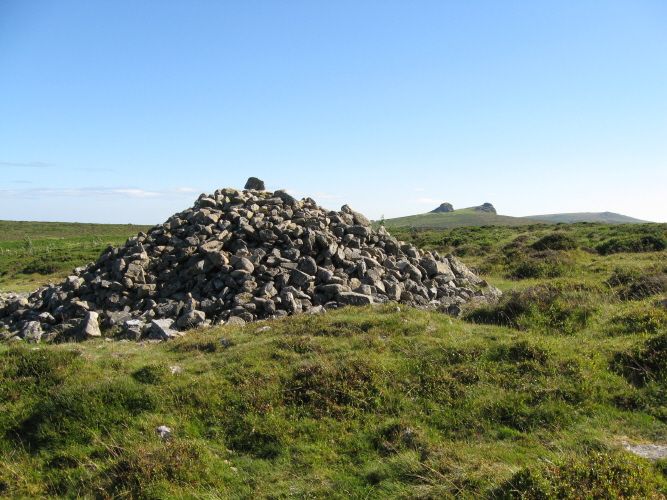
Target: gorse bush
{"type": "Point", "coordinates": [633, 243]}
{"type": "Point", "coordinates": [41, 266]}
{"type": "Point", "coordinates": [544, 308]}
{"type": "Point", "coordinates": [76, 415]}
{"type": "Point", "coordinates": [337, 388]}
{"type": "Point", "coordinates": [644, 286]}
{"type": "Point", "coordinates": [646, 362]}
{"type": "Point", "coordinates": [544, 264]}
{"type": "Point", "coordinates": [599, 476]}
{"type": "Point", "coordinates": [556, 241]}
{"type": "Point", "coordinates": [641, 318]}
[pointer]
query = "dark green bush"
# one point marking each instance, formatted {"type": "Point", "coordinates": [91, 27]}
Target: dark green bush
{"type": "Point", "coordinates": [138, 473]}
{"type": "Point", "coordinates": [599, 476]}
{"type": "Point", "coordinates": [633, 243]}
{"type": "Point", "coordinates": [644, 286]}
{"type": "Point", "coordinates": [623, 276]}
{"type": "Point", "coordinates": [77, 414]}
{"type": "Point", "coordinates": [556, 241]}
{"type": "Point", "coordinates": [40, 266]}
{"type": "Point", "coordinates": [544, 264]}
{"type": "Point", "coordinates": [245, 436]}
{"type": "Point", "coordinates": [544, 307]}
{"type": "Point", "coordinates": [23, 370]}
{"type": "Point", "coordinates": [640, 319]}
{"type": "Point", "coordinates": [646, 362]}
{"type": "Point", "coordinates": [334, 388]}
{"type": "Point", "coordinates": [518, 352]}
{"type": "Point", "coordinates": [525, 412]}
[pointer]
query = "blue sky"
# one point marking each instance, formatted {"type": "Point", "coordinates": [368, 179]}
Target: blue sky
{"type": "Point", "coordinates": [126, 111]}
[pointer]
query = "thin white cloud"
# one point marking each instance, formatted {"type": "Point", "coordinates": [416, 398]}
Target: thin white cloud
{"type": "Point", "coordinates": [32, 164]}
{"type": "Point", "coordinates": [425, 200]}
{"type": "Point", "coordinates": [136, 193]}
{"type": "Point", "coordinates": [98, 192]}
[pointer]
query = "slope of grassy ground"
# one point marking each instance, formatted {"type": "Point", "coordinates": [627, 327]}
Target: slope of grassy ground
{"type": "Point", "coordinates": [457, 218]}
{"type": "Point", "coordinates": [606, 217]}
{"type": "Point", "coordinates": [533, 397]}
{"type": "Point", "coordinates": [33, 253]}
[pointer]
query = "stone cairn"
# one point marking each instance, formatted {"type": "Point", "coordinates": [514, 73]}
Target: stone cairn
{"type": "Point", "coordinates": [236, 257]}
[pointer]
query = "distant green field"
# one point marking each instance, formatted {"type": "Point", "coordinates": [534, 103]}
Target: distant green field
{"type": "Point", "coordinates": [458, 218]}
{"type": "Point", "coordinates": [33, 253]}
{"type": "Point", "coordinates": [606, 217]}
{"type": "Point", "coordinates": [18, 230]}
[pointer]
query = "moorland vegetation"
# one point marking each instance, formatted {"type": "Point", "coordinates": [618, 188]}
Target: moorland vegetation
{"type": "Point", "coordinates": [535, 397]}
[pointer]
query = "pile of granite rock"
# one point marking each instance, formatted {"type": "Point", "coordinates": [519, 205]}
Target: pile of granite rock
{"type": "Point", "coordinates": [236, 257]}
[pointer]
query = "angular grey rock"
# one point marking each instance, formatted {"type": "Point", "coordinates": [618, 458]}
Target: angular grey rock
{"type": "Point", "coordinates": [191, 319]}
{"type": "Point", "coordinates": [162, 329]}
{"type": "Point", "coordinates": [461, 271]}
{"type": "Point", "coordinates": [91, 327]}
{"type": "Point", "coordinates": [235, 321]}
{"type": "Point", "coordinates": [358, 218]}
{"type": "Point", "coordinates": [299, 278]}
{"type": "Point", "coordinates": [287, 198]}
{"type": "Point", "coordinates": [134, 329]}
{"type": "Point", "coordinates": [255, 183]}
{"type": "Point", "coordinates": [32, 332]}
{"type": "Point", "coordinates": [353, 299]}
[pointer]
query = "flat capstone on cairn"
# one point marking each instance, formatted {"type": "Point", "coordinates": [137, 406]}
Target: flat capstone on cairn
{"type": "Point", "coordinates": [236, 257]}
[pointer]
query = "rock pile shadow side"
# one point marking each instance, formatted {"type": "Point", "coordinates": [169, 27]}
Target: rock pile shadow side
{"type": "Point", "coordinates": [235, 257]}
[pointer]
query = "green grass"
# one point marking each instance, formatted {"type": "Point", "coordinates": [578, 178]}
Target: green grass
{"type": "Point", "coordinates": [33, 253]}
{"type": "Point", "coordinates": [359, 403]}
{"type": "Point", "coordinates": [528, 398]}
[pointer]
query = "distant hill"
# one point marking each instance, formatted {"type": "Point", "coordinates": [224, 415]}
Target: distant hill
{"type": "Point", "coordinates": [471, 216]}
{"type": "Point", "coordinates": [606, 217]}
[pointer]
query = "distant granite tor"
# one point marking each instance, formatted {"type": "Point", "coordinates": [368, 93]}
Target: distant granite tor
{"type": "Point", "coordinates": [447, 207]}
{"type": "Point", "coordinates": [444, 208]}
{"type": "Point", "coordinates": [486, 207]}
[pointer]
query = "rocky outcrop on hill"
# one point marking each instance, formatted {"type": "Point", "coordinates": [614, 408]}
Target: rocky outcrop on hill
{"type": "Point", "coordinates": [234, 257]}
{"type": "Point", "coordinates": [443, 208]}
{"type": "Point", "coordinates": [486, 207]}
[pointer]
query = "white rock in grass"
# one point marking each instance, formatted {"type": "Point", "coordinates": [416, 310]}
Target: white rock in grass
{"type": "Point", "coordinates": [164, 431]}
